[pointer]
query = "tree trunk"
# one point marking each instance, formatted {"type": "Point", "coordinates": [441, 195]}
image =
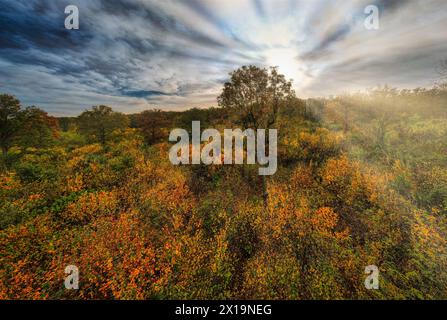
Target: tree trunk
{"type": "Point", "coordinates": [103, 137]}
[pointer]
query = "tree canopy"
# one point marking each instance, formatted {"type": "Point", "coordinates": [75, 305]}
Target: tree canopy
{"type": "Point", "coordinates": [30, 127]}
{"type": "Point", "coordinates": [100, 121]}
{"type": "Point", "coordinates": [255, 95]}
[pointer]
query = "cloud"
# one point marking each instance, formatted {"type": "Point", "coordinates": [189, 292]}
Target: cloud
{"type": "Point", "coordinates": [139, 54]}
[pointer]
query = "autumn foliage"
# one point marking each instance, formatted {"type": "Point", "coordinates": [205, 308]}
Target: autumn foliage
{"type": "Point", "coordinates": [137, 227]}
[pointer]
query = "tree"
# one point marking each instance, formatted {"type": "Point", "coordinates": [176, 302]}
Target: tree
{"type": "Point", "coordinates": [153, 124]}
{"type": "Point", "coordinates": [29, 127]}
{"type": "Point", "coordinates": [100, 121]}
{"type": "Point", "coordinates": [185, 118]}
{"type": "Point", "coordinates": [11, 118]}
{"type": "Point", "coordinates": [255, 95]}
{"type": "Point", "coordinates": [66, 123]}
{"type": "Point", "coordinates": [38, 128]}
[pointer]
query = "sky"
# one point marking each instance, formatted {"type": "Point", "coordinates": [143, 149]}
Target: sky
{"type": "Point", "coordinates": [135, 55]}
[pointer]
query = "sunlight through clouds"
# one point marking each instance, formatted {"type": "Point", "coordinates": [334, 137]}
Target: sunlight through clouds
{"type": "Point", "coordinates": [184, 50]}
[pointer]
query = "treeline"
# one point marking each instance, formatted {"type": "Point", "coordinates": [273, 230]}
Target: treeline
{"type": "Point", "coordinates": [33, 127]}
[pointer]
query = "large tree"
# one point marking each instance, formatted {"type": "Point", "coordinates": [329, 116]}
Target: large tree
{"type": "Point", "coordinates": [255, 96]}
{"type": "Point", "coordinates": [31, 127]}
{"type": "Point", "coordinates": [11, 118]}
{"type": "Point", "coordinates": [100, 121]}
{"type": "Point", "coordinates": [38, 129]}
{"type": "Point", "coordinates": [153, 124]}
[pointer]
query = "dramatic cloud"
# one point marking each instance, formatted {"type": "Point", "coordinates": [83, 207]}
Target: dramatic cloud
{"type": "Point", "coordinates": [138, 54]}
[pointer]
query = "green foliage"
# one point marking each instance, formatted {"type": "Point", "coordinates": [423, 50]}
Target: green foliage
{"type": "Point", "coordinates": [31, 127]}
{"type": "Point", "coordinates": [39, 130]}
{"type": "Point", "coordinates": [153, 125]}
{"type": "Point", "coordinates": [29, 172]}
{"type": "Point", "coordinates": [10, 120]}
{"type": "Point", "coordinates": [256, 96]}
{"type": "Point", "coordinates": [99, 122]}
{"type": "Point", "coordinates": [71, 140]}
{"type": "Point", "coordinates": [185, 119]}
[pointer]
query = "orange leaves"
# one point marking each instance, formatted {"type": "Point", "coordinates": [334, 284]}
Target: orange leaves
{"type": "Point", "coordinates": [307, 236]}
{"type": "Point", "coordinates": [310, 146]}
{"type": "Point", "coordinates": [167, 190]}
{"type": "Point", "coordinates": [292, 215]}
{"type": "Point", "coordinates": [8, 181]}
{"type": "Point", "coordinates": [302, 178]}
{"type": "Point", "coordinates": [340, 170]}
{"type": "Point", "coordinates": [344, 179]}
{"type": "Point", "coordinates": [324, 219]}
{"type": "Point", "coordinates": [89, 206]}
{"type": "Point", "coordinates": [271, 275]}
{"type": "Point", "coordinates": [25, 255]}
{"type": "Point", "coordinates": [74, 183]}
{"type": "Point", "coordinates": [116, 260]}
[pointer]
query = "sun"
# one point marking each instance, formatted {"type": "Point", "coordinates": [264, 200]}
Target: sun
{"type": "Point", "coordinates": [287, 63]}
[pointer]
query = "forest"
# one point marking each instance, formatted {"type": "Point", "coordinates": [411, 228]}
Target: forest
{"type": "Point", "coordinates": [361, 180]}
